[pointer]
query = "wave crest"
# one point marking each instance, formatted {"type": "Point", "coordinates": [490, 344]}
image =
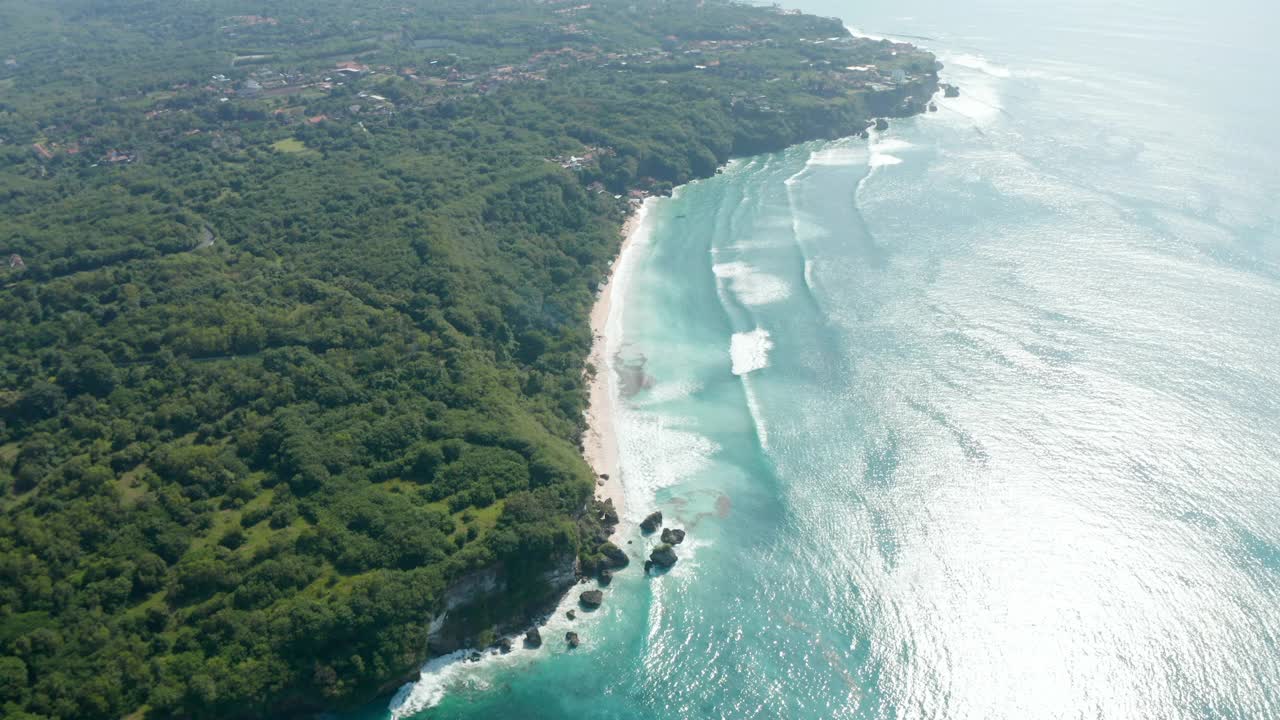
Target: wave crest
{"type": "Point", "coordinates": [749, 351]}
{"type": "Point", "coordinates": [751, 286]}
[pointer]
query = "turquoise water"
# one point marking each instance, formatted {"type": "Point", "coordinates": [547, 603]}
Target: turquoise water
{"type": "Point", "coordinates": [980, 419]}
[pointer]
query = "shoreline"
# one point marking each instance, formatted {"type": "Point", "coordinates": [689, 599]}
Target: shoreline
{"type": "Point", "coordinates": [600, 440]}
{"type": "Point", "coordinates": [600, 449]}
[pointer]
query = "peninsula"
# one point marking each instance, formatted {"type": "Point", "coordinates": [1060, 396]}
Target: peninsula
{"type": "Point", "coordinates": [295, 317]}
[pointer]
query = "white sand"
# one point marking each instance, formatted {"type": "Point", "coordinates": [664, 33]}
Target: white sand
{"type": "Point", "coordinates": [600, 444]}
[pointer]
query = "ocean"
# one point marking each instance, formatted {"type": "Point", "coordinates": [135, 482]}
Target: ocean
{"type": "Point", "coordinates": [978, 419]}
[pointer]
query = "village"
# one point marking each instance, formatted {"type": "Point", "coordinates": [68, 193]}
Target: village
{"type": "Point", "coordinates": [447, 71]}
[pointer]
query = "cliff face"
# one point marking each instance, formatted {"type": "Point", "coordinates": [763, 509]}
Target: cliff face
{"type": "Point", "coordinates": [489, 599]}
{"type": "Point", "coordinates": [904, 100]}
{"type": "Point", "coordinates": [844, 117]}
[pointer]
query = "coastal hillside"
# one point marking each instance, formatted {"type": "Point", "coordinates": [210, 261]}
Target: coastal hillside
{"type": "Point", "coordinates": [293, 314]}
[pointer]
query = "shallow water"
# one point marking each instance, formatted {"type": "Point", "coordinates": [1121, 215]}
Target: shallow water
{"type": "Point", "coordinates": [980, 419]}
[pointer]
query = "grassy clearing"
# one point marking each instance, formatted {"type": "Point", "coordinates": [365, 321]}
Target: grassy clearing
{"type": "Point", "coordinates": [292, 146]}
{"type": "Point", "coordinates": [131, 487]}
{"type": "Point", "coordinates": [485, 518]}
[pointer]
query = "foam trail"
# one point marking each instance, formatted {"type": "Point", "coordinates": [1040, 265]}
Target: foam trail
{"type": "Point", "coordinates": [795, 218]}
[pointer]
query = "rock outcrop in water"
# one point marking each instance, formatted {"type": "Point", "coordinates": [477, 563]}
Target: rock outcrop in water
{"type": "Point", "coordinates": [949, 90]}
{"type": "Point", "coordinates": [881, 124]}
{"type": "Point", "coordinates": [663, 556]}
{"type": "Point", "coordinates": [606, 576]}
{"type": "Point", "coordinates": [591, 598]}
{"type": "Point", "coordinates": [533, 638]}
{"type": "Point", "coordinates": [672, 536]}
{"type": "Point", "coordinates": [652, 522]}
{"type": "Point", "coordinates": [571, 638]}
{"type": "Point", "coordinates": [503, 645]}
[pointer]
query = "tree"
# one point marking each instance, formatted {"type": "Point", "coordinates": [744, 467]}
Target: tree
{"type": "Point", "coordinates": [13, 679]}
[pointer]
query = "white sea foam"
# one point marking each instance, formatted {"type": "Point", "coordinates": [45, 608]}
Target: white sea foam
{"type": "Point", "coordinates": [979, 103]}
{"type": "Point", "coordinates": [751, 286]}
{"type": "Point", "coordinates": [882, 149]}
{"type": "Point", "coordinates": [979, 63]}
{"type": "Point", "coordinates": [749, 351]}
{"type": "Point", "coordinates": [883, 144]}
{"type": "Point", "coordinates": [430, 687]}
{"type": "Point", "coordinates": [883, 160]}
{"type": "Point", "coordinates": [639, 237]}
{"type": "Point", "coordinates": [666, 392]}
{"type": "Point", "coordinates": [657, 452]}
{"type": "Point", "coordinates": [810, 277]}
{"type": "Point", "coordinates": [441, 674]}
{"type": "Point", "coordinates": [838, 156]}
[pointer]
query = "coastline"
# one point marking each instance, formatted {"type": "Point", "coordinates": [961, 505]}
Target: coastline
{"type": "Point", "coordinates": [600, 441]}
{"type": "Point", "coordinates": [600, 448]}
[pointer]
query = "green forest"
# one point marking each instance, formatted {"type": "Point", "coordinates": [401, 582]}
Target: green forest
{"type": "Point", "coordinates": [293, 312]}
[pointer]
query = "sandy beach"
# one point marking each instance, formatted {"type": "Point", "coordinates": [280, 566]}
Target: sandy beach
{"type": "Point", "coordinates": [600, 443]}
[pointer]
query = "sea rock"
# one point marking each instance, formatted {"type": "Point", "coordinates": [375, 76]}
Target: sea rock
{"type": "Point", "coordinates": [648, 565]}
{"type": "Point", "coordinates": [614, 555]}
{"type": "Point", "coordinates": [474, 657]}
{"type": "Point", "coordinates": [652, 522]}
{"type": "Point", "coordinates": [571, 615]}
{"type": "Point", "coordinates": [663, 556]}
{"type": "Point", "coordinates": [950, 91]}
{"type": "Point", "coordinates": [591, 598]}
{"type": "Point", "coordinates": [571, 638]}
{"type": "Point", "coordinates": [533, 638]}
{"type": "Point", "coordinates": [504, 645]}
{"type": "Point", "coordinates": [882, 124]}
{"type": "Point", "coordinates": [933, 107]}
{"type": "Point", "coordinates": [672, 536]}
{"type": "Point", "coordinates": [863, 134]}
{"type": "Point", "coordinates": [606, 576]}
{"type": "Point", "coordinates": [604, 476]}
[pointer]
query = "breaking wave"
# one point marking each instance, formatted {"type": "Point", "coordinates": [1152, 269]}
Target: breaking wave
{"type": "Point", "coordinates": [979, 63]}
{"type": "Point", "coordinates": [837, 156]}
{"type": "Point", "coordinates": [882, 149]}
{"type": "Point", "coordinates": [749, 351]}
{"type": "Point", "coordinates": [751, 286]}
